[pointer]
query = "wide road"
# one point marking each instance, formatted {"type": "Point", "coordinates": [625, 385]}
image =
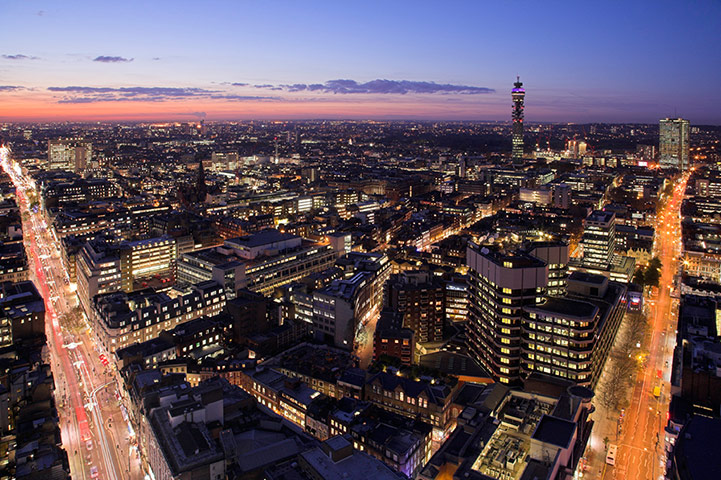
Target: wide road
{"type": "Point", "coordinates": [94, 433]}
{"type": "Point", "coordinates": [640, 450]}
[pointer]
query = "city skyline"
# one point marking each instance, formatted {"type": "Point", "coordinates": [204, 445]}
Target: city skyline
{"type": "Point", "coordinates": [389, 240]}
{"type": "Point", "coordinates": [223, 61]}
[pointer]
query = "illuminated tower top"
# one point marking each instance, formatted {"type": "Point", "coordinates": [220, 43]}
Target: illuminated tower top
{"type": "Point", "coordinates": [518, 86]}
{"type": "Point", "coordinates": [518, 94]}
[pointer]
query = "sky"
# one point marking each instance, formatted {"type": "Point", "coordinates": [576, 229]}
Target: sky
{"type": "Point", "coordinates": [605, 61]}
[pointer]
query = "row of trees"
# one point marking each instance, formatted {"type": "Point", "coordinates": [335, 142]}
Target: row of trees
{"type": "Point", "coordinates": [623, 363]}
{"type": "Point", "coordinates": [649, 276]}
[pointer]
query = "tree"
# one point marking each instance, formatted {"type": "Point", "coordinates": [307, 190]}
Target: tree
{"type": "Point", "coordinates": [652, 277]}
{"type": "Point", "coordinates": [622, 363]}
{"type": "Point", "coordinates": [655, 263]}
{"type": "Point", "coordinates": [638, 277]}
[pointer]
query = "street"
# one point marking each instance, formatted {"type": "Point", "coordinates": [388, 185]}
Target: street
{"type": "Point", "coordinates": [639, 431]}
{"type": "Point", "coordinates": [94, 434]}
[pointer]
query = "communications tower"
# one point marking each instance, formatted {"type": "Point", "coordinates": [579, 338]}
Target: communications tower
{"type": "Point", "coordinates": [518, 94]}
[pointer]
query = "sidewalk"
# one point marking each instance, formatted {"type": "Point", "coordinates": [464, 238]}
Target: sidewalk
{"type": "Point", "coordinates": [605, 420]}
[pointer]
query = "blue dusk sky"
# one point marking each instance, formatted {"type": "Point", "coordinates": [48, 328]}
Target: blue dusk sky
{"type": "Point", "coordinates": [580, 61]}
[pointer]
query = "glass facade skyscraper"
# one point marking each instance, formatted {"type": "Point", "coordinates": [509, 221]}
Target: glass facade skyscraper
{"type": "Point", "coordinates": [673, 143]}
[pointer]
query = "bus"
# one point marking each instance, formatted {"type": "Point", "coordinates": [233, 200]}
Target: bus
{"type": "Point", "coordinates": [611, 455]}
{"type": "Point", "coordinates": [83, 427]}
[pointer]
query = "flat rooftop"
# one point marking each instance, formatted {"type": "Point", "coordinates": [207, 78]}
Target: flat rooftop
{"type": "Point", "coordinates": [600, 216]}
{"type": "Point", "coordinates": [586, 277]}
{"type": "Point", "coordinates": [555, 431]}
{"type": "Point", "coordinates": [567, 306]}
{"type": "Point", "coordinates": [261, 238]}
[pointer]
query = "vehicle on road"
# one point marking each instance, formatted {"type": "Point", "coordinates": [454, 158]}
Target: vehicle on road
{"type": "Point", "coordinates": [611, 455]}
{"type": "Point", "coordinates": [657, 391]}
{"type": "Point", "coordinates": [94, 472]}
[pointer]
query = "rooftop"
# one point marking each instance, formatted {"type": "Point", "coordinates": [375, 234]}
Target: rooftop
{"type": "Point", "coordinates": [600, 216]}
{"type": "Point", "coordinates": [555, 431]}
{"type": "Point", "coordinates": [566, 307]}
{"type": "Point", "coordinates": [355, 466]}
{"type": "Point", "coordinates": [261, 238]}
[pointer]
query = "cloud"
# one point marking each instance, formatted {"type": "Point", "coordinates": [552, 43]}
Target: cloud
{"type": "Point", "coordinates": [135, 91]}
{"type": "Point", "coordinates": [238, 84]}
{"type": "Point", "coordinates": [242, 98]}
{"type": "Point", "coordinates": [380, 86]}
{"type": "Point", "coordinates": [80, 94]}
{"type": "Point", "coordinates": [18, 56]}
{"type": "Point", "coordinates": [9, 88]}
{"type": "Point", "coordinates": [109, 59]}
{"type": "Point", "coordinates": [41, 13]}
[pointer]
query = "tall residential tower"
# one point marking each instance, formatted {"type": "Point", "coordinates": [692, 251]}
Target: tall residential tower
{"type": "Point", "coordinates": [518, 94]}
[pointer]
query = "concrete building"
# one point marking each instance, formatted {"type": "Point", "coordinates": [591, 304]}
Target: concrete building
{"type": "Point", "coordinates": [82, 190]}
{"type": "Point", "coordinates": [503, 434]}
{"type": "Point", "coordinates": [22, 312]}
{"type": "Point", "coordinates": [391, 338]}
{"type": "Point", "coordinates": [105, 265]}
{"type": "Point", "coordinates": [341, 307]}
{"type": "Point", "coordinates": [420, 297]}
{"type": "Point", "coordinates": [13, 262]}
{"type": "Point", "coordinates": [570, 337]}
{"type": "Point", "coordinates": [71, 154]}
{"type": "Point", "coordinates": [556, 256]}
{"type": "Point", "coordinates": [222, 161]}
{"type": "Point", "coordinates": [336, 458]}
{"type": "Point", "coordinates": [426, 399]}
{"type": "Point", "coordinates": [120, 319]}
{"type": "Point", "coordinates": [599, 249]}
{"type": "Point", "coordinates": [542, 195]}
{"type": "Point", "coordinates": [599, 239]}
{"type": "Point", "coordinates": [144, 259]}
{"type": "Point", "coordinates": [260, 262]}
{"type": "Point", "coordinates": [695, 453]}
{"type": "Point", "coordinates": [500, 285]}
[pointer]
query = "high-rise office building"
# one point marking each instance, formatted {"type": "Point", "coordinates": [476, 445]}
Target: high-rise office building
{"type": "Point", "coordinates": [526, 317]}
{"type": "Point", "coordinates": [518, 94]}
{"type": "Point", "coordinates": [556, 256]}
{"type": "Point", "coordinates": [599, 244]}
{"type": "Point", "coordinates": [500, 285]}
{"type": "Point", "coordinates": [673, 143]}
{"type": "Point", "coordinates": [70, 154]}
{"type": "Point", "coordinates": [570, 337]}
{"type": "Point", "coordinates": [599, 239]}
